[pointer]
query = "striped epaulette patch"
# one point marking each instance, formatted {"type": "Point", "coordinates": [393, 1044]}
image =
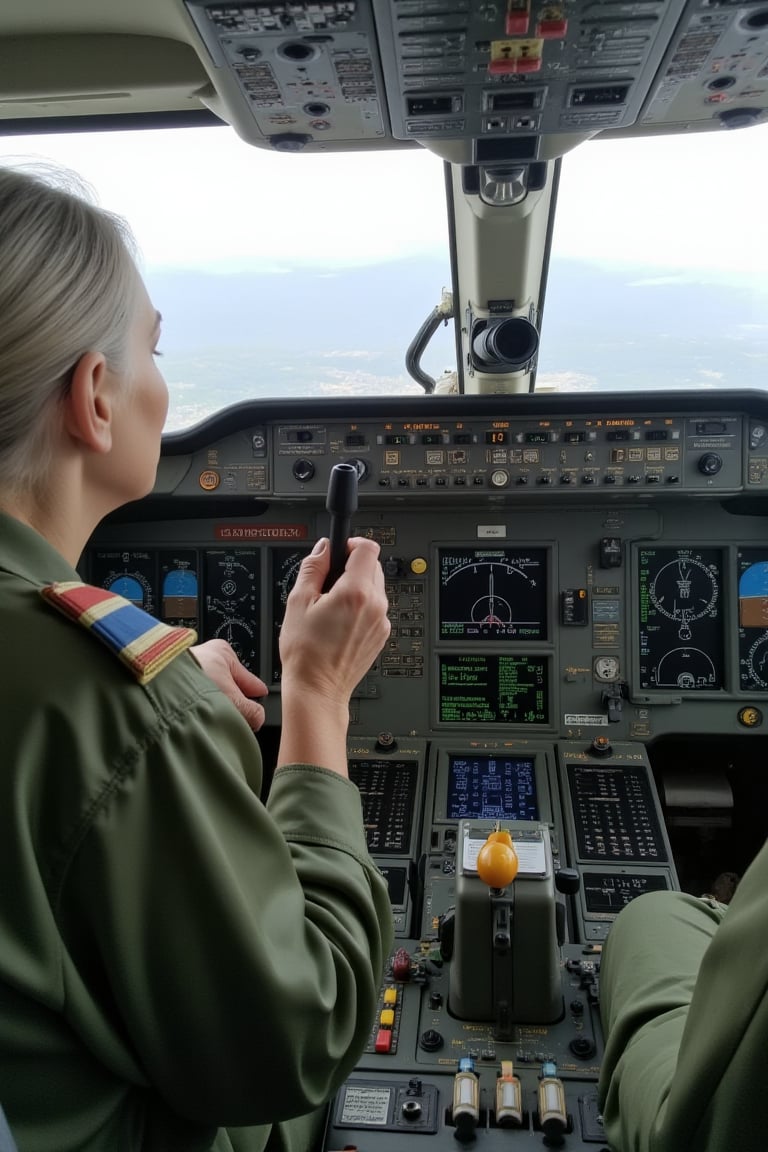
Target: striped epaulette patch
{"type": "Point", "coordinates": [142, 643]}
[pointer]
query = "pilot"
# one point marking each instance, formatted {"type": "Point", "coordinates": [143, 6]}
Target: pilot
{"type": "Point", "coordinates": [182, 967]}
{"type": "Point", "coordinates": [684, 1004]}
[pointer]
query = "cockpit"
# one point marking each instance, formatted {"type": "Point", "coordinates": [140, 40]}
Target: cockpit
{"type": "Point", "coordinates": [505, 262]}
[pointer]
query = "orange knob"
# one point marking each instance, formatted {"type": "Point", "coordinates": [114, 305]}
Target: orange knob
{"type": "Point", "coordinates": [497, 861]}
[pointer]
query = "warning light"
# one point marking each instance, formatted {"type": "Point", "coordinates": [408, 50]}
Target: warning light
{"type": "Point", "coordinates": [750, 717]}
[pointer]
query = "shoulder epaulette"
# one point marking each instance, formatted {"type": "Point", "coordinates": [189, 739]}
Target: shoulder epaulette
{"type": "Point", "coordinates": [142, 643]}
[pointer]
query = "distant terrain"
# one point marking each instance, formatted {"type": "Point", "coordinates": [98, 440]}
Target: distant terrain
{"type": "Point", "coordinates": [228, 337]}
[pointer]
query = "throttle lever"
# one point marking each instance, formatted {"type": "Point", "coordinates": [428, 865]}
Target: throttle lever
{"type": "Point", "coordinates": [340, 502]}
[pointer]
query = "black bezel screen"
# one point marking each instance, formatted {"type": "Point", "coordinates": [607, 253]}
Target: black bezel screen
{"type": "Point", "coordinates": [491, 788]}
{"type": "Point", "coordinates": [493, 594]}
{"type": "Point", "coordinates": [490, 688]}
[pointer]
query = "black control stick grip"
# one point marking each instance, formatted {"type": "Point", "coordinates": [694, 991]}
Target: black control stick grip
{"type": "Point", "coordinates": [341, 502]}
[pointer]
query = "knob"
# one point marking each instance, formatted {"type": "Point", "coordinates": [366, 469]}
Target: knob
{"type": "Point", "coordinates": [739, 117]}
{"type": "Point", "coordinates": [710, 463]}
{"type": "Point", "coordinates": [303, 470]}
{"type": "Point", "coordinates": [601, 746]}
{"type": "Point", "coordinates": [567, 881]}
{"type": "Point", "coordinates": [497, 862]}
{"type": "Point", "coordinates": [359, 465]}
{"type": "Point", "coordinates": [290, 141]}
{"type": "Point", "coordinates": [499, 478]}
{"type": "Point", "coordinates": [431, 1040]}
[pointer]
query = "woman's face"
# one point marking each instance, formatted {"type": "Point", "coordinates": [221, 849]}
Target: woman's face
{"type": "Point", "coordinates": [141, 406]}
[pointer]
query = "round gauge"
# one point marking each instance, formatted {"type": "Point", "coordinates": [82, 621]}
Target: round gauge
{"type": "Point", "coordinates": [606, 668]}
{"type": "Point", "coordinates": [757, 662]}
{"type": "Point", "coordinates": [133, 586]}
{"type": "Point", "coordinates": [240, 636]}
{"type": "Point", "coordinates": [235, 584]}
{"type": "Point", "coordinates": [286, 570]}
{"type": "Point", "coordinates": [685, 589]}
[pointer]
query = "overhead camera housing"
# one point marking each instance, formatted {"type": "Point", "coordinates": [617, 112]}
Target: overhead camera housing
{"type": "Point", "coordinates": [503, 344]}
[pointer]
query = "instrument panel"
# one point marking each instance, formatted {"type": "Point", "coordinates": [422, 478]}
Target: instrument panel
{"type": "Point", "coordinates": [568, 575]}
{"type": "Point", "coordinates": [568, 592]}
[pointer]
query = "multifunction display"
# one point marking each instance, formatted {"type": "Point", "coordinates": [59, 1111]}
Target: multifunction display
{"type": "Point", "coordinates": [753, 618]}
{"type": "Point", "coordinates": [232, 601]}
{"type": "Point", "coordinates": [493, 594]}
{"type": "Point", "coordinates": [605, 894]}
{"type": "Point", "coordinates": [164, 583]}
{"type": "Point", "coordinates": [614, 814]}
{"type": "Point", "coordinates": [492, 689]}
{"type": "Point", "coordinates": [285, 564]}
{"type": "Point", "coordinates": [681, 620]}
{"type": "Point", "coordinates": [388, 792]}
{"type": "Point", "coordinates": [491, 788]}
{"type": "Point", "coordinates": [216, 591]}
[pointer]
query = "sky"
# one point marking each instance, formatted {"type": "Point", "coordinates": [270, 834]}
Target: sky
{"type": "Point", "coordinates": [693, 201]}
{"type": "Point", "coordinates": [202, 197]}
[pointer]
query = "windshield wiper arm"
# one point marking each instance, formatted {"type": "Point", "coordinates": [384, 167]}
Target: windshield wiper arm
{"type": "Point", "coordinates": [439, 315]}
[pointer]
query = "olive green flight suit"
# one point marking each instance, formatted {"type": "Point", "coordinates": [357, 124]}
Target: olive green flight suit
{"type": "Point", "coordinates": [181, 967]}
{"type": "Point", "coordinates": [684, 1002]}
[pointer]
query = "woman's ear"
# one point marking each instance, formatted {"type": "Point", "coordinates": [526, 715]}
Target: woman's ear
{"type": "Point", "coordinates": [88, 403]}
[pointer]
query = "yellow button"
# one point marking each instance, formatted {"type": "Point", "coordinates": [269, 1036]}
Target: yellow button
{"type": "Point", "coordinates": [387, 1017]}
{"type": "Point", "coordinates": [750, 717]}
{"type": "Point", "coordinates": [418, 566]}
{"type": "Point", "coordinates": [390, 995]}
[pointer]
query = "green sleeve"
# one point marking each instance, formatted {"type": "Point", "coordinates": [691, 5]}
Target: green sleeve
{"type": "Point", "coordinates": [238, 949]}
{"type": "Point", "coordinates": [718, 1093]}
{"type": "Point", "coordinates": [684, 999]}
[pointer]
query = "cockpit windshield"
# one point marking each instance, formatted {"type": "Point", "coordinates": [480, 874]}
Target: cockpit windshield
{"type": "Point", "coordinates": [658, 276]}
{"type": "Point", "coordinates": [294, 276]}
{"type": "Point", "coordinates": [276, 275]}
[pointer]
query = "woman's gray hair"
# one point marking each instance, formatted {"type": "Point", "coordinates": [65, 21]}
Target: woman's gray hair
{"type": "Point", "coordinates": [68, 285]}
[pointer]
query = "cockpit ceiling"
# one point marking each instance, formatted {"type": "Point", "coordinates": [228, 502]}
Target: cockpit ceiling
{"type": "Point", "coordinates": [487, 84]}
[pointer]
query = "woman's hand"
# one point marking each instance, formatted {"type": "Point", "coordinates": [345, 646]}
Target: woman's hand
{"type": "Point", "coordinates": [329, 640]}
{"type": "Point", "coordinates": [218, 660]}
{"type": "Point", "coordinates": [327, 644]}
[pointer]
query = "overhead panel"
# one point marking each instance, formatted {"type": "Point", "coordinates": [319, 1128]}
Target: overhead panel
{"type": "Point", "coordinates": [715, 69]}
{"type": "Point", "coordinates": [496, 76]}
{"type": "Point", "coordinates": [490, 71]}
{"type": "Point", "coordinates": [477, 81]}
{"type": "Point", "coordinates": [299, 74]}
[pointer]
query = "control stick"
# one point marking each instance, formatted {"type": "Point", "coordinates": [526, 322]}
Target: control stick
{"type": "Point", "coordinates": [340, 502]}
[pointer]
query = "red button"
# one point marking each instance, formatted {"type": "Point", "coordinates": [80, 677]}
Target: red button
{"type": "Point", "coordinates": [383, 1041]}
{"type": "Point", "coordinates": [552, 29]}
{"type": "Point", "coordinates": [516, 23]}
{"type": "Point", "coordinates": [507, 67]}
